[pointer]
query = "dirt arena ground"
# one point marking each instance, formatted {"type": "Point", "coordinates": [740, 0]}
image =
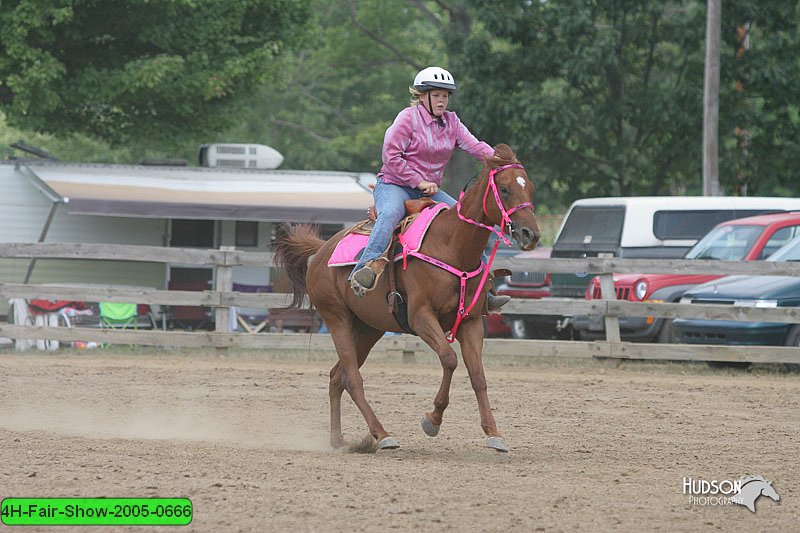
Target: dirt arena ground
{"type": "Point", "coordinates": [244, 435]}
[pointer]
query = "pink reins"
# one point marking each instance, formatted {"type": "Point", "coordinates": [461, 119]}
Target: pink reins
{"type": "Point", "coordinates": [485, 268]}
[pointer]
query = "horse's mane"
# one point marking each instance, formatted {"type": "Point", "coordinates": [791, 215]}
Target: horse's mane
{"type": "Point", "coordinates": [748, 479]}
{"type": "Point", "coordinates": [503, 155]}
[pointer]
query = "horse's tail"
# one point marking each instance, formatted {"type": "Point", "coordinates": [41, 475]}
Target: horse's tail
{"type": "Point", "coordinates": [292, 249]}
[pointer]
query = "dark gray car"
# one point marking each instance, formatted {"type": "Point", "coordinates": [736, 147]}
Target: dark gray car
{"type": "Point", "coordinates": [755, 291]}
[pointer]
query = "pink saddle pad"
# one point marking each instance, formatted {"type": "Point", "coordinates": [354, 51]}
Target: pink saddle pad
{"type": "Point", "coordinates": [349, 249]}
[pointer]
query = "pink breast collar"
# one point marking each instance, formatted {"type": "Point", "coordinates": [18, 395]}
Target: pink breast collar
{"type": "Point", "coordinates": [463, 276]}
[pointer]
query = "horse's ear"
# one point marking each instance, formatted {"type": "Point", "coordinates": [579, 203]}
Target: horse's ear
{"type": "Point", "coordinates": [504, 154]}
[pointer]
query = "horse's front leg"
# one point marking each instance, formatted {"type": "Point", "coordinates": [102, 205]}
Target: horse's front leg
{"type": "Point", "coordinates": [470, 337]}
{"type": "Point", "coordinates": [426, 325]}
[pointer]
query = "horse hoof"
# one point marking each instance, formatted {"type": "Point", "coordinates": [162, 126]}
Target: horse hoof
{"type": "Point", "coordinates": [388, 443]}
{"type": "Point", "coordinates": [497, 443]}
{"type": "Point", "coordinates": [429, 427]}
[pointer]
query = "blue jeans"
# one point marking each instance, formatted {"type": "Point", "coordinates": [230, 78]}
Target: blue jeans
{"type": "Point", "coordinates": [389, 201]}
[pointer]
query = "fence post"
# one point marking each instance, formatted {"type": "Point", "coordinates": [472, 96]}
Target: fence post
{"type": "Point", "coordinates": [223, 283]}
{"type": "Point", "coordinates": [608, 293]}
{"type": "Point", "coordinates": [401, 346]}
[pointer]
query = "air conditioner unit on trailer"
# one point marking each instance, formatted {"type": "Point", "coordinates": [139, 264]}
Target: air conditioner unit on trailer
{"type": "Point", "coordinates": [250, 156]}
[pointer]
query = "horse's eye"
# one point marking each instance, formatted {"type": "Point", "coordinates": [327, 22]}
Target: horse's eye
{"type": "Point", "coordinates": [504, 190]}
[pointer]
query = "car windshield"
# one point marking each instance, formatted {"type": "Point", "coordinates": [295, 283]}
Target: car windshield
{"type": "Point", "coordinates": [788, 252]}
{"type": "Point", "coordinates": [592, 226]}
{"type": "Point", "coordinates": [680, 224]}
{"type": "Point", "coordinates": [728, 243]}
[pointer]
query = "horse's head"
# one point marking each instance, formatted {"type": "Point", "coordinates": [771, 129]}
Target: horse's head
{"type": "Point", "coordinates": [751, 488]}
{"type": "Point", "coordinates": [769, 491]}
{"type": "Point", "coordinates": [508, 199]}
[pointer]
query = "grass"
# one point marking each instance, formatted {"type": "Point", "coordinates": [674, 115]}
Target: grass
{"type": "Point", "coordinates": [549, 225]}
{"type": "Point", "coordinates": [428, 358]}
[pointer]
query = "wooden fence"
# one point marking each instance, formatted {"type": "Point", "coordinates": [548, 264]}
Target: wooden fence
{"type": "Point", "coordinates": [222, 298]}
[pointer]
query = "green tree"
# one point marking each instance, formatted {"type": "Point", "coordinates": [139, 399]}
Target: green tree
{"type": "Point", "coordinates": [599, 98]}
{"type": "Point", "coordinates": [144, 71]}
{"type": "Point", "coordinates": [345, 86]}
{"type": "Point", "coordinates": [605, 98]}
{"type": "Point", "coordinates": [759, 114]}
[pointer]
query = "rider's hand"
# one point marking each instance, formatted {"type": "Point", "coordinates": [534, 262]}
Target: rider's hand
{"type": "Point", "coordinates": [428, 187]}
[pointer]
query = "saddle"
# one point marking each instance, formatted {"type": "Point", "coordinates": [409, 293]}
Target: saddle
{"type": "Point", "coordinates": [413, 208]}
{"type": "Point", "coordinates": [350, 247]}
{"type": "Point", "coordinates": [410, 231]}
{"type": "Point", "coordinates": [408, 236]}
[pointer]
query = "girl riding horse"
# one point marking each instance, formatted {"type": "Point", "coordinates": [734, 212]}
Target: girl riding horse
{"type": "Point", "coordinates": [436, 300]}
{"type": "Point", "coordinates": [416, 149]}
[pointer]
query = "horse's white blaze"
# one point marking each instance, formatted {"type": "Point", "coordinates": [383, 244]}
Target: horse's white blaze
{"type": "Point", "coordinates": [521, 181]}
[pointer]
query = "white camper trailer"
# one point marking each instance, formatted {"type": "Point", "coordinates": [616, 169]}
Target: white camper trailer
{"type": "Point", "coordinates": [49, 201]}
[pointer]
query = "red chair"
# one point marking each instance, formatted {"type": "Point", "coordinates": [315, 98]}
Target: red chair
{"type": "Point", "coordinates": [188, 317]}
{"type": "Point", "coordinates": [48, 313]}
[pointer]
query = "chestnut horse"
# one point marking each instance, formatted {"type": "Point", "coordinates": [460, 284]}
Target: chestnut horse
{"type": "Point", "coordinates": [502, 195]}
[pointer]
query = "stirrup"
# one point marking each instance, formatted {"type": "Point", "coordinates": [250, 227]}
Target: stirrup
{"type": "Point", "coordinates": [366, 278]}
{"type": "Point", "coordinates": [363, 281]}
{"type": "Point", "coordinates": [494, 303]}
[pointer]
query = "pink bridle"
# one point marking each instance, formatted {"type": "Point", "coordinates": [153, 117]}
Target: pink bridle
{"type": "Point", "coordinates": [506, 215]}
{"type": "Point", "coordinates": [485, 268]}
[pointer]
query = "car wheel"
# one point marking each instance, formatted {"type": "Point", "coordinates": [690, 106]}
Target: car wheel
{"type": "Point", "coordinates": [665, 335]}
{"type": "Point", "coordinates": [519, 330]}
{"type": "Point", "coordinates": [793, 336]}
{"type": "Point", "coordinates": [792, 339]}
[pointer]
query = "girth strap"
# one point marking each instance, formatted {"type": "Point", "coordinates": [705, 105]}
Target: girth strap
{"type": "Point", "coordinates": [397, 304]}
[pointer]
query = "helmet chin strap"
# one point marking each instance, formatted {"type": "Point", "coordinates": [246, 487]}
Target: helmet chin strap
{"type": "Point", "coordinates": [430, 109]}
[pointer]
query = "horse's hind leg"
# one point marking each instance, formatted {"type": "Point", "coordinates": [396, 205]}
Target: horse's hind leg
{"type": "Point", "coordinates": [353, 344]}
{"type": "Point", "coordinates": [335, 390]}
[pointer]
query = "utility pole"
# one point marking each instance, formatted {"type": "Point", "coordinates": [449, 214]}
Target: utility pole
{"type": "Point", "coordinates": [711, 100]}
{"type": "Point", "coordinates": [741, 131]}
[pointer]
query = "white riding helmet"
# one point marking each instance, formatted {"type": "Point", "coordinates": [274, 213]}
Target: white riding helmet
{"type": "Point", "coordinates": [434, 78]}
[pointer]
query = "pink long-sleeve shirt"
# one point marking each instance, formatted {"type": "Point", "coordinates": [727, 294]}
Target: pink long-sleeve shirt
{"type": "Point", "coordinates": [417, 147]}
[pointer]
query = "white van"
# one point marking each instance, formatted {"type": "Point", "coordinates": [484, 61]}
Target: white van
{"type": "Point", "coordinates": [646, 227]}
{"type": "Point", "coordinates": [634, 227]}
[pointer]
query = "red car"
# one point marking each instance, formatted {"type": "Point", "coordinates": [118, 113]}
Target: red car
{"type": "Point", "coordinates": [743, 239]}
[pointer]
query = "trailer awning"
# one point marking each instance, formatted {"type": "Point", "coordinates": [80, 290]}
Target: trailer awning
{"type": "Point", "coordinates": [205, 193]}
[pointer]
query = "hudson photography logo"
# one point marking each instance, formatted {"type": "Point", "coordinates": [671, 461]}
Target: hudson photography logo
{"type": "Point", "coordinates": [743, 491]}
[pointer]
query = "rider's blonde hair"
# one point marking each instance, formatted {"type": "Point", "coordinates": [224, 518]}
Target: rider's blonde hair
{"type": "Point", "coordinates": [416, 96]}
